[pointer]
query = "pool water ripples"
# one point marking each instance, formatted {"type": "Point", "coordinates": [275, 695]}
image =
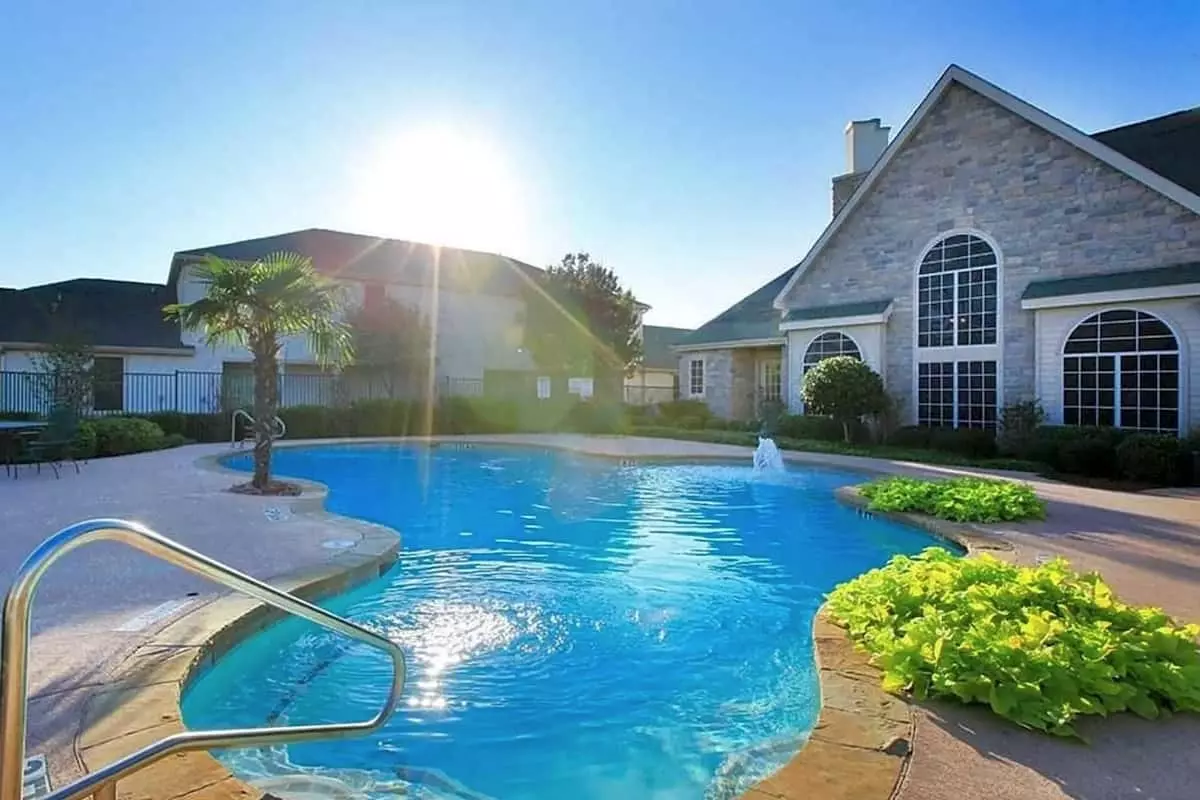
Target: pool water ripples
{"type": "Point", "coordinates": [573, 628]}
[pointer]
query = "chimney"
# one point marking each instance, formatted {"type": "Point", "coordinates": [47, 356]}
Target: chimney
{"type": "Point", "coordinates": [866, 140]}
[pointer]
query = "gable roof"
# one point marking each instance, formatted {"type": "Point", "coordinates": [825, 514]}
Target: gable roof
{"type": "Point", "coordinates": [656, 346]}
{"type": "Point", "coordinates": [1096, 147]}
{"type": "Point", "coordinates": [753, 318]}
{"type": "Point", "coordinates": [371, 258]}
{"type": "Point", "coordinates": [102, 313]}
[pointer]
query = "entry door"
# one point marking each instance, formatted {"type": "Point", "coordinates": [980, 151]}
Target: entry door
{"type": "Point", "coordinates": [770, 382]}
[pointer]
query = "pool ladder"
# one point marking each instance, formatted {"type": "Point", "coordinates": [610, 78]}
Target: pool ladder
{"type": "Point", "coordinates": [102, 784]}
{"type": "Point", "coordinates": [241, 413]}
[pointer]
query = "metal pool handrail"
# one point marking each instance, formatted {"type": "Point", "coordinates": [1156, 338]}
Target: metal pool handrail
{"type": "Point", "coordinates": [102, 784]}
{"type": "Point", "coordinates": [241, 412]}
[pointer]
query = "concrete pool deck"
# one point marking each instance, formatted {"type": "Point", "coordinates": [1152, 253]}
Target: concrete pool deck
{"type": "Point", "coordinates": [98, 607]}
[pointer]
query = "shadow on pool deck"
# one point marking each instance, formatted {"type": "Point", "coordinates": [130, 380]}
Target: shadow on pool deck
{"type": "Point", "coordinates": [1127, 757]}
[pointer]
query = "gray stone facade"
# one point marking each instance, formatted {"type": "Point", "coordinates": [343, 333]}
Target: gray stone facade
{"type": "Point", "coordinates": [1052, 210]}
{"type": "Point", "coordinates": [843, 188]}
{"type": "Point", "coordinates": [730, 379]}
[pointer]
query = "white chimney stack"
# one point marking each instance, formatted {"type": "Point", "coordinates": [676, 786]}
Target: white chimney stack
{"type": "Point", "coordinates": [866, 140]}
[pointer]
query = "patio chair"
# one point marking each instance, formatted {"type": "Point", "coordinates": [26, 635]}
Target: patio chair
{"type": "Point", "coordinates": [55, 443]}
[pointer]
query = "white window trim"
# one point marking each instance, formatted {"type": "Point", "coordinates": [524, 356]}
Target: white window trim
{"type": "Point", "coordinates": [1181, 347]}
{"type": "Point", "coordinates": [958, 352]}
{"type": "Point", "coordinates": [703, 376]}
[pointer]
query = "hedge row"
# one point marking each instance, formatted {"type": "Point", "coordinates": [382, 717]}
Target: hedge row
{"type": "Point", "coordinates": [1105, 453]}
{"type": "Point", "coordinates": [401, 418]}
{"type": "Point", "coordinates": [118, 436]}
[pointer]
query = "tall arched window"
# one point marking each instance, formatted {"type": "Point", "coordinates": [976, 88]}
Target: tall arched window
{"type": "Point", "coordinates": [958, 333]}
{"type": "Point", "coordinates": [828, 345]}
{"type": "Point", "coordinates": [1121, 368]}
{"type": "Point", "coordinates": [956, 293]}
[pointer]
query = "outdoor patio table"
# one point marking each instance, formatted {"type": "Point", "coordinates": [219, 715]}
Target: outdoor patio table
{"type": "Point", "coordinates": [11, 432]}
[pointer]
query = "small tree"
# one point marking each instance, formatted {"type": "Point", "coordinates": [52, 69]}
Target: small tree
{"type": "Point", "coordinates": [844, 388]}
{"type": "Point", "coordinates": [392, 340]}
{"type": "Point", "coordinates": [256, 304]}
{"type": "Point", "coordinates": [580, 320]}
{"type": "Point", "coordinates": [64, 374]}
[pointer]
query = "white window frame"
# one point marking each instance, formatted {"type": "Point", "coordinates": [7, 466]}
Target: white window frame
{"type": "Point", "coordinates": [805, 366]}
{"type": "Point", "coordinates": [957, 352]}
{"type": "Point", "coordinates": [693, 373]}
{"type": "Point", "coordinates": [770, 380]}
{"type": "Point", "coordinates": [543, 387]}
{"type": "Point", "coordinates": [1182, 387]}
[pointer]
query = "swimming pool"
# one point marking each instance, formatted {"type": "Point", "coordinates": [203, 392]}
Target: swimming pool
{"type": "Point", "coordinates": [574, 628]}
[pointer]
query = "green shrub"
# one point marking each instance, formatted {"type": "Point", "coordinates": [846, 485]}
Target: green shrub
{"type": "Point", "coordinates": [596, 417]}
{"type": "Point", "coordinates": [844, 388]}
{"type": "Point", "coordinates": [958, 499]}
{"type": "Point", "coordinates": [1039, 645]}
{"type": "Point", "coordinates": [1151, 458]}
{"type": "Point", "coordinates": [175, 440]}
{"type": "Point", "coordinates": [969, 442]}
{"type": "Point", "coordinates": [815, 426]}
{"type": "Point", "coordinates": [688, 414]}
{"type": "Point", "coordinates": [84, 444]}
{"type": "Point", "coordinates": [196, 427]}
{"type": "Point", "coordinates": [919, 436]}
{"type": "Point", "coordinates": [1019, 424]}
{"type": "Point", "coordinates": [117, 436]}
{"type": "Point", "coordinates": [1088, 452]}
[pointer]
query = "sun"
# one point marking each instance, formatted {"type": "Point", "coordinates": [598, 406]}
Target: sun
{"type": "Point", "coordinates": [441, 185]}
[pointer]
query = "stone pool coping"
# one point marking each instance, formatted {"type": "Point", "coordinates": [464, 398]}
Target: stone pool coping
{"type": "Point", "coordinates": [149, 695]}
{"type": "Point", "coordinates": [859, 748]}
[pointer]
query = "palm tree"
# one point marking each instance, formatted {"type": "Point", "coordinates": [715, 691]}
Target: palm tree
{"type": "Point", "coordinates": [254, 304]}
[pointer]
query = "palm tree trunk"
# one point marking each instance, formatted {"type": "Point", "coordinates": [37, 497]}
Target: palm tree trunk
{"type": "Point", "coordinates": [266, 402]}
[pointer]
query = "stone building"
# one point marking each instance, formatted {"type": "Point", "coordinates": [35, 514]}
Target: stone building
{"type": "Point", "coordinates": [989, 253]}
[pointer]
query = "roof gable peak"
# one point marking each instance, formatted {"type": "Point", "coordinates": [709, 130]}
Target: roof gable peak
{"type": "Point", "coordinates": [955, 74]}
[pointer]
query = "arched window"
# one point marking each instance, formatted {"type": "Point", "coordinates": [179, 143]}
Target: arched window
{"type": "Point", "coordinates": [828, 345]}
{"type": "Point", "coordinates": [1121, 368]}
{"type": "Point", "coordinates": [956, 293]}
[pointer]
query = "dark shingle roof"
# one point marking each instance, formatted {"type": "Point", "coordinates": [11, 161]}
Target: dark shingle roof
{"type": "Point", "coordinates": [860, 309]}
{"type": "Point", "coordinates": [99, 312]}
{"type": "Point", "coordinates": [1168, 145]}
{"type": "Point", "coordinates": [656, 345]}
{"type": "Point", "coordinates": [1173, 275]}
{"type": "Point", "coordinates": [370, 258]}
{"type": "Point", "coordinates": [752, 317]}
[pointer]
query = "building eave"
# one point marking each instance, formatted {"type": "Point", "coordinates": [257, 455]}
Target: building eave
{"type": "Point", "coordinates": [836, 322]}
{"type": "Point", "coordinates": [730, 345]}
{"type": "Point", "coordinates": [106, 349]}
{"type": "Point", "coordinates": [1141, 294]}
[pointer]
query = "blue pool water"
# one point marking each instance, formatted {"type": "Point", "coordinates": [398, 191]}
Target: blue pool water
{"type": "Point", "coordinates": [574, 628]}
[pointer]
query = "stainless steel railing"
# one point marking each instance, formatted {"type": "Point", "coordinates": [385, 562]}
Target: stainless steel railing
{"type": "Point", "coordinates": [14, 653]}
{"type": "Point", "coordinates": [280, 425]}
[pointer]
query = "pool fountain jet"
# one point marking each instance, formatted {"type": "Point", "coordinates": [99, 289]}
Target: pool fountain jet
{"type": "Point", "coordinates": [767, 457]}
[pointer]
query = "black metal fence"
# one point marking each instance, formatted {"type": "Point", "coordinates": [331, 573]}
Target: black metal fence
{"type": "Point", "coordinates": [209, 392]}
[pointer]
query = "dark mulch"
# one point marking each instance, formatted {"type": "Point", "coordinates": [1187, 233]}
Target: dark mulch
{"type": "Point", "coordinates": [274, 489]}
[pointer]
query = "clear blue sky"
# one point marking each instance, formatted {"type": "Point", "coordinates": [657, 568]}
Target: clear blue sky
{"type": "Point", "coordinates": [689, 145]}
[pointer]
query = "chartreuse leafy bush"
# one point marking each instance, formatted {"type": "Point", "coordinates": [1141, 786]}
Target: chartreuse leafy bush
{"type": "Point", "coordinates": [957, 499]}
{"type": "Point", "coordinates": [1040, 645]}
